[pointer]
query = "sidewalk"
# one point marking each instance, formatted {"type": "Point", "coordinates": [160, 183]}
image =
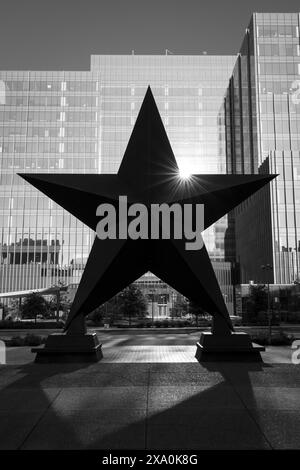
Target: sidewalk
{"type": "Point", "coordinates": [115, 352]}
{"type": "Point", "coordinates": [150, 405]}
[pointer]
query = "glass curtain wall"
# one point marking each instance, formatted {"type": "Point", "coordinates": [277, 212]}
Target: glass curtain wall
{"type": "Point", "coordinates": [80, 122]}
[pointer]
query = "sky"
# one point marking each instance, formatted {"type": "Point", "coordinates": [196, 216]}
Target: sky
{"type": "Point", "coordinates": [62, 34]}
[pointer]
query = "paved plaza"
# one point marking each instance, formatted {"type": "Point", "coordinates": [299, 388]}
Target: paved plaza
{"type": "Point", "coordinates": [149, 396]}
{"type": "Point", "coordinates": [144, 346]}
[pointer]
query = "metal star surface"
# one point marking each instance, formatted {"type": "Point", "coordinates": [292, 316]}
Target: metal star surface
{"type": "Point", "coordinates": [148, 174]}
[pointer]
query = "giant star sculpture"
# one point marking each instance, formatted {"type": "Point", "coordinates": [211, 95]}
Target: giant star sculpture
{"type": "Point", "coordinates": [148, 174]}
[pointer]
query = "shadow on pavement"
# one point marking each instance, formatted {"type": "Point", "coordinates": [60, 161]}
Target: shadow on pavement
{"type": "Point", "coordinates": [128, 406]}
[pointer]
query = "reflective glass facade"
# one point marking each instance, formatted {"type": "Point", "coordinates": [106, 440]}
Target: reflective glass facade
{"type": "Point", "coordinates": [262, 108]}
{"type": "Point", "coordinates": [188, 91]}
{"type": "Point", "coordinates": [49, 123]}
{"type": "Point", "coordinates": [80, 122]}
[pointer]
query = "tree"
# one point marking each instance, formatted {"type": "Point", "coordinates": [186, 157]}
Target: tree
{"type": "Point", "coordinates": [34, 304]}
{"type": "Point", "coordinates": [106, 311]}
{"type": "Point", "coordinates": [196, 310]}
{"type": "Point", "coordinates": [179, 308]}
{"type": "Point", "coordinates": [2, 311]}
{"type": "Point", "coordinates": [60, 301]}
{"type": "Point", "coordinates": [132, 303]}
{"type": "Point", "coordinates": [97, 315]}
{"type": "Point", "coordinates": [13, 310]}
{"type": "Point", "coordinates": [257, 301]}
{"type": "Point", "coordinates": [129, 303]}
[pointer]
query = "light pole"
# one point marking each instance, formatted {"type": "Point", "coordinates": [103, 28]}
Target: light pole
{"type": "Point", "coordinates": [57, 304]}
{"type": "Point", "coordinates": [297, 286]}
{"type": "Point", "coordinates": [268, 267]}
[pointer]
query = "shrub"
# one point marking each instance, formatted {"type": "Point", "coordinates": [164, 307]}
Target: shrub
{"type": "Point", "coordinates": [27, 340]}
{"type": "Point", "coordinates": [143, 324]}
{"type": "Point", "coordinates": [293, 317]}
{"type": "Point", "coordinates": [33, 340]}
{"type": "Point", "coordinates": [17, 325]}
{"type": "Point", "coordinates": [16, 341]}
{"type": "Point", "coordinates": [278, 338]}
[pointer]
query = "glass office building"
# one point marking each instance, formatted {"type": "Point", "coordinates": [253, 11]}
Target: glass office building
{"type": "Point", "coordinates": [262, 110]}
{"type": "Point", "coordinates": [80, 122]}
{"type": "Point", "coordinates": [49, 123]}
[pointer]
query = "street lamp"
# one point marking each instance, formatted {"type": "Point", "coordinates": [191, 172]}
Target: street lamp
{"type": "Point", "coordinates": [297, 294]}
{"type": "Point", "coordinates": [268, 267]}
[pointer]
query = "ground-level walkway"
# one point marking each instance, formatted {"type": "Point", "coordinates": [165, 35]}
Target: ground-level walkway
{"type": "Point", "coordinates": [142, 346]}
{"type": "Point", "coordinates": [150, 405]}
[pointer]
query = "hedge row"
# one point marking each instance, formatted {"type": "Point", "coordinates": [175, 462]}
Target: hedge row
{"type": "Point", "coordinates": [20, 325]}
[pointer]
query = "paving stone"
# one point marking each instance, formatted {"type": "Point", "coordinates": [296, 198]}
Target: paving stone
{"type": "Point", "coordinates": [15, 427]}
{"type": "Point", "coordinates": [142, 353]}
{"type": "Point", "coordinates": [27, 399]}
{"type": "Point", "coordinates": [166, 368]}
{"type": "Point", "coordinates": [274, 398]}
{"type": "Point", "coordinates": [182, 377]}
{"type": "Point", "coordinates": [281, 427]}
{"type": "Point", "coordinates": [230, 429]}
{"type": "Point", "coordinates": [96, 375]}
{"type": "Point", "coordinates": [85, 429]}
{"type": "Point", "coordinates": [108, 398]}
{"type": "Point", "coordinates": [195, 397]}
{"type": "Point", "coordinates": [19, 355]}
{"type": "Point", "coordinates": [275, 375]}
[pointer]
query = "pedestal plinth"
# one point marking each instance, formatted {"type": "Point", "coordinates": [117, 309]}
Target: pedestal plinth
{"type": "Point", "coordinates": [234, 347]}
{"type": "Point", "coordinates": [64, 347]}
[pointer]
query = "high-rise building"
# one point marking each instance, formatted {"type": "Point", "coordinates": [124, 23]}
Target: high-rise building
{"type": "Point", "coordinates": [80, 122]}
{"type": "Point", "coordinates": [262, 109]}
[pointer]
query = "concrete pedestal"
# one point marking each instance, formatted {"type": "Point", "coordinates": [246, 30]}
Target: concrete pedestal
{"type": "Point", "coordinates": [234, 347]}
{"type": "Point", "coordinates": [64, 347]}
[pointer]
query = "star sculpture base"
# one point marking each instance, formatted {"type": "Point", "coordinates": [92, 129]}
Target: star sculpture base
{"type": "Point", "coordinates": [76, 345]}
{"type": "Point", "coordinates": [64, 348]}
{"type": "Point", "coordinates": [234, 347]}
